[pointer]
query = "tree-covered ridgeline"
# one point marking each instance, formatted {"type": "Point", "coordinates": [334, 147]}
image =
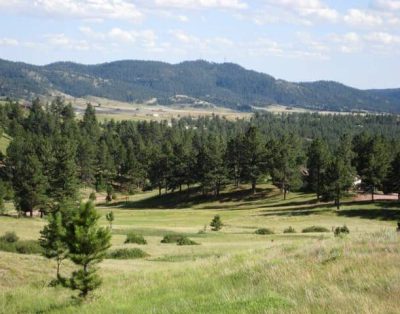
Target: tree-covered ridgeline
{"type": "Point", "coordinates": [53, 154]}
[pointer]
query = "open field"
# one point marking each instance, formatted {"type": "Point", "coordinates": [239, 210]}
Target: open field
{"type": "Point", "coordinates": [231, 271]}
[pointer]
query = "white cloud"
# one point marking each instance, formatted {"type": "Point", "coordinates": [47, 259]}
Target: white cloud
{"type": "Point", "coordinates": [362, 18]}
{"type": "Point", "coordinates": [307, 8]}
{"type": "Point", "coordinates": [8, 42]}
{"type": "Point", "coordinates": [383, 38]}
{"type": "Point", "coordinates": [387, 4]}
{"type": "Point", "coordinates": [146, 38]}
{"type": "Point", "coordinates": [194, 4]}
{"type": "Point", "coordinates": [81, 9]}
{"type": "Point", "coordinates": [65, 42]}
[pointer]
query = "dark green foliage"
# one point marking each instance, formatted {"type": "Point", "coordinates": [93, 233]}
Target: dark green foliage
{"type": "Point", "coordinates": [318, 158]}
{"type": "Point", "coordinates": [171, 238]}
{"type": "Point", "coordinates": [135, 238]}
{"type": "Point", "coordinates": [9, 237]}
{"type": "Point", "coordinates": [87, 245]}
{"type": "Point", "coordinates": [10, 242]}
{"type": "Point", "coordinates": [53, 238]}
{"type": "Point", "coordinates": [186, 241]}
{"type": "Point", "coordinates": [110, 218]}
{"type": "Point", "coordinates": [341, 231]}
{"type": "Point", "coordinates": [224, 84]}
{"type": "Point", "coordinates": [28, 247]}
{"type": "Point", "coordinates": [340, 174]}
{"type": "Point", "coordinates": [216, 223]}
{"type": "Point", "coordinates": [253, 161]}
{"type": "Point", "coordinates": [289, 230]}
{"type": "Point", "coordinates": [264, 231]}
{"type": "Point", "coordinates": [92, 196]}
{"type": "Point", "coordinates": [285, 161]}
{"type": "Point", "coordinates": [127, 254]}
{"type": "Point", "coordinates": [315, 229]}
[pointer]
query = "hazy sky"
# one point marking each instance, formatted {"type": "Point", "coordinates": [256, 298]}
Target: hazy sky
{"type": "Point", "coordinates": [356, 42]}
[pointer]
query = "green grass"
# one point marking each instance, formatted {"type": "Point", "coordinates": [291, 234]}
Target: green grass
{"type": "Point", "coordinates": [233, 270]}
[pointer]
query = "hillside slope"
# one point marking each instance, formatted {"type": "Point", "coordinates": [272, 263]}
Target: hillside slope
{"type": "Point", "coordinates": [226, 84]}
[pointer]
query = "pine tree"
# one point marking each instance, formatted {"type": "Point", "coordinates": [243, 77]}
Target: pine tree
{"type": "Point", "coordinates": [317, 163]}
{"type": "Point", "coordinates": [53, 238]}
{"type": "Point", "coordinates": [377, 164]}
{"type": "Point", "coordinates": [253, 157]}
{"type": "Point", "coordinates": [87, 244]}
{"type": "Point", "coordinates": [216, 223]}
{"type": "Point", "coordinates": [393, 177]}
{"type": "Point", "coordinates": [340, 173]}
{"type": "Point", "coordinates": [29, 183]}
{"type": "Point", "coordinates": [286, 158]}
{"type": "Point", "coordinates": [64, 179]}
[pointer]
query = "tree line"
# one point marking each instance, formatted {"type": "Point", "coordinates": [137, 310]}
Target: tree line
{"type": "Point", "coordinates": [53, 153]}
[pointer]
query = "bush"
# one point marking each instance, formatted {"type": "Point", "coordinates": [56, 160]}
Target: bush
{"type": "Point", "coordinates": [264, 231]}
{"type": "Point", "coordinates": [216, 223]}
{"type": "Point", "coordinates": [172, 238]}
{"type": "Point", "coordinates": [28, 247]}
{"type": "Point", "coordinates": [314, 229]}
{"type": "Point", "coordinates": [22, 247]}
{"type": "Point", "coordinates": [9, 237]}
{"type": "Point", "coordinates": [127, 254]}
{"type": "Point", "coordinates": [114, 196]}
{"type": "Point", "coordinates": [341, 231]}
{"type": "Point", "coordinates": [135, 238]}
{"type": "Point", "coordinates": [186, 241]}
{"type": "Point", "coordinates": [289, 230]}
{"type": "Point", "coordinates": [92, 196]}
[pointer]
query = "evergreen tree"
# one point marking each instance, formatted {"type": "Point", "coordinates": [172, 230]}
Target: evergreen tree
{"type": "Point", "coordinates": [318, 158]}
{"type": "Point", "coordinates": [87, 244]}
{"type": "Point", "coordinates": [253, 157]}
{"type": "Point", "coordinates": [340, 173]}
{"type": "Point", "coordinates": [286, 158]}
{"type": "Point", "coordinates": [53, 238]}
{"type": "Point", "coordinates": [64, 180]}
{"type": "Point", "coordinates": [393, 177]}
{"type": "Point", "coordinates": [376, 166]}
{"type": "Point", "coordinates": [29, 183]}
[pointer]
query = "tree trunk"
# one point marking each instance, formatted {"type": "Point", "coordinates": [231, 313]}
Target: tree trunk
{"type": "Point", "coordinates": [31, 212]}
{"type": "Point", "coordinates": [284, 193]}
{"type": "Point", "coordinates": [372, 193]}
{"type": "Point", "coordinates": [253, 186]}
{"type": "Point", "coordinates": [159, 190]}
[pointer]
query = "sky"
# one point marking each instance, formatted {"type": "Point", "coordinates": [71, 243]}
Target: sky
{"type": "Point", "coordinates": [356, 42]}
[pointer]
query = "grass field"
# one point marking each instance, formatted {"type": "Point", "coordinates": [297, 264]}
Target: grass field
{"type": "Point", "coordinates": [231, 271]}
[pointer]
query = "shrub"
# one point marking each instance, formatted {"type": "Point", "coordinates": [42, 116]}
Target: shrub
{"type": "Point", "coordinates": [7, 246]}
{"type": "Point", "coordinates": [314, 229]}
{"type": "Point", "coordinates": [135, 238]}
{"type": "Point", "coordinates": [289, 230]}
{"type": "Point", "coordinates": [9, 237]}
{"type": "Point", "coordinates": [186, 241]}
{"type": "Point", "coordinates": [341, 231]}
{"type": "Point", "coordinates": [127, 254]}
{"type": "Point", "coordinates": [216, 223]}
{"type": "Point", "coordinates": [28, 247]}
{"type": "Point", "coordinates": [171, 238]}
{"type": "Point", "coordinates": [114, 196]}
{"type": "Point", "coordinates": [22, 247]}
{"type": "Point", "coordinates": [92, 196]}
{"type": "Point", "coordinates": [264, 231]}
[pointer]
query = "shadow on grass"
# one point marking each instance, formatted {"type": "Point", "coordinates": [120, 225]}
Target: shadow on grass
{"type": "Point", "coordinates": [184, 199]}
{"type": "Point", "coordinates": [378, 214]}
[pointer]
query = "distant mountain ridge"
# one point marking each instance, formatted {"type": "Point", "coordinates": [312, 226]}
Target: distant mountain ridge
{"type": "Point", "coordinates": [227, 84]}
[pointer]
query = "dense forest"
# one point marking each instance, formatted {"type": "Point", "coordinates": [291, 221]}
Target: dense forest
{"type": "Point", "coordinates": [53, 154]}
{"type": "Point", "coordinates": [227, 85]}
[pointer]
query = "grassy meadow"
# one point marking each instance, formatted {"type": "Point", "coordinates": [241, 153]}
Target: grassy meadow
{"type": "Point", "coordinates": [233, 270]}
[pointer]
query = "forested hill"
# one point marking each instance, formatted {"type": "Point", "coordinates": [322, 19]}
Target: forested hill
{"type": "Point", "coordinates": [226, 84]}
